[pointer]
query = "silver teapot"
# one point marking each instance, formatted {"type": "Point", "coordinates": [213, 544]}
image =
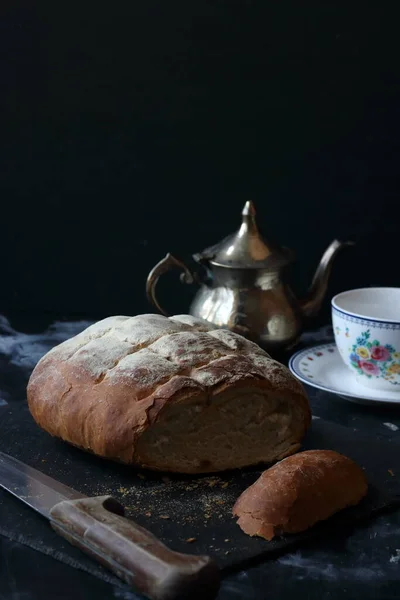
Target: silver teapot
{"type": "Point", "coordinates": [242, 286]}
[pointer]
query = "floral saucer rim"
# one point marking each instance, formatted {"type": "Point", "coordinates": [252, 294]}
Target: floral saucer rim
{"type": "Point", "coordinates": [328, 355]}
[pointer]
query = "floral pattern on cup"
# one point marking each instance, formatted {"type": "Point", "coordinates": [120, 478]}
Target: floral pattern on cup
{"type": "Point", "coordinates": [373, 359]}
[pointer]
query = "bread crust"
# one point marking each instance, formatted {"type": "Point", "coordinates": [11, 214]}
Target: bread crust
{"type": "Point", "coordinates": [106, 386]}
{"type": "Point", "coordinates": [298, 492]}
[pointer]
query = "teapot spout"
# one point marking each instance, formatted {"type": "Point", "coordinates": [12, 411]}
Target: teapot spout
{"type": "Point", "coordinates": [311, 304]}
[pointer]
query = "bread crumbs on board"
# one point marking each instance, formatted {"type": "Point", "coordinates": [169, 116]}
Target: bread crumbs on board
{"type": "Point", "coordinates": [187, 503]}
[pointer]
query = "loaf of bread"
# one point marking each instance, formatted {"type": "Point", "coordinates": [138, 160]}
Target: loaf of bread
{"type": "Point", "coordinates": [298, 492]}
{"type": "Point", "coordinates": [170, 394]}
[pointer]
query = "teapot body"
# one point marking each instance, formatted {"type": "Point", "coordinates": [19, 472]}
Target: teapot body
{"type": "Point", "coordinates": [254, 303]}
{"type": "Point", "coordinates": [242, 286]}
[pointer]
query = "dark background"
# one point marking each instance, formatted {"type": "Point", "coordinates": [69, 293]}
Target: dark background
{"type": "Point", "coordinates": [131, 129]}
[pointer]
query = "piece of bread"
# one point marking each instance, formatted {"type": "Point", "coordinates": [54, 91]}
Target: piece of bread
{"type": "Point", "coordinates": [172, 394]}
{"type": "Point", "coordinates": [298, 492]}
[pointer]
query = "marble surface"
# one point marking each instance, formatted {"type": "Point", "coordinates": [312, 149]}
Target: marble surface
{"type": "Point", "coordinates": [362, 563]}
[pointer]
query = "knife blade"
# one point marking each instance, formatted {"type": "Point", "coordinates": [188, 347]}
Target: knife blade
{"type": "Point", "coordinates": [98, 527]}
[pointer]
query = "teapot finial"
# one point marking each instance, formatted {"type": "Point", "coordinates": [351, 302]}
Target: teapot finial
{"type": "Point", "coordinates": [249, 234]}
{"type": "Point", "coordinates": [247, 248]}
{"type": "Point", "coordinates": [249, 209]}
{"type": "Point", "coordinates": [249, 225]}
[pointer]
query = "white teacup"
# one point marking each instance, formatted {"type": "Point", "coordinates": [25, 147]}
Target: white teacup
{"type": "Point", "coordinates": [366, 324]}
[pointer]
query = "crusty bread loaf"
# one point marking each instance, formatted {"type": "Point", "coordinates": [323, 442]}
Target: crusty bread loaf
{"type": "Point", "coordinates": [298, 492]}
{"type": "Point", "coordinates": [172, 394]}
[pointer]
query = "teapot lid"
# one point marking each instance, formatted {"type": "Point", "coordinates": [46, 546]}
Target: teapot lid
{"type": "Point", "coordinates": [246, 248]}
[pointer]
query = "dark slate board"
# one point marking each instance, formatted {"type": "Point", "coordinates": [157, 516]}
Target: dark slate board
{"type": "Point", "coordinates": [178, 508]}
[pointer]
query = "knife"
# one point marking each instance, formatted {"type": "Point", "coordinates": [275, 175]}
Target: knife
{"type": "Point", "coordinates": [98, 527]}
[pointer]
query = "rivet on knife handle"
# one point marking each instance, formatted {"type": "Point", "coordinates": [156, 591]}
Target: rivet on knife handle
{"type": "Point", "coordinates": [97, 527]}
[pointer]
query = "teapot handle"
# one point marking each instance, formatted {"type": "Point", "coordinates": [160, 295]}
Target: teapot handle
{"type": "Point", "coordinates": [167, 263]}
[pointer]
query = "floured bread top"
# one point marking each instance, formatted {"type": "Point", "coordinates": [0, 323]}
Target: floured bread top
{"type": "Point", "coordinates": [147, 350]}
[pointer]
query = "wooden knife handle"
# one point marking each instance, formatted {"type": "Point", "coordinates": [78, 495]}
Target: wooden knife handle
{"type": "Point", "coordinates": [97, 526]}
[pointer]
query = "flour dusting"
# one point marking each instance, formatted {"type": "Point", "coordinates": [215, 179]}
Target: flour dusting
{"type": "Point", "coordinates": [124, 594]}
{"type": "Point", "coordinates": [391, 426]}
{"type": "Point", "coordinates": [322, 568]}
{"type": "Point", "coordinates": [396, 557]}
{"type": "Point", "coordinates": [352, 560]}
{"type": "Point", "coordinates": [25, 350]}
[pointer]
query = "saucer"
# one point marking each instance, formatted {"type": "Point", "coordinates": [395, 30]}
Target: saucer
{"type": "Point", "coordinates": [322, 367]}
